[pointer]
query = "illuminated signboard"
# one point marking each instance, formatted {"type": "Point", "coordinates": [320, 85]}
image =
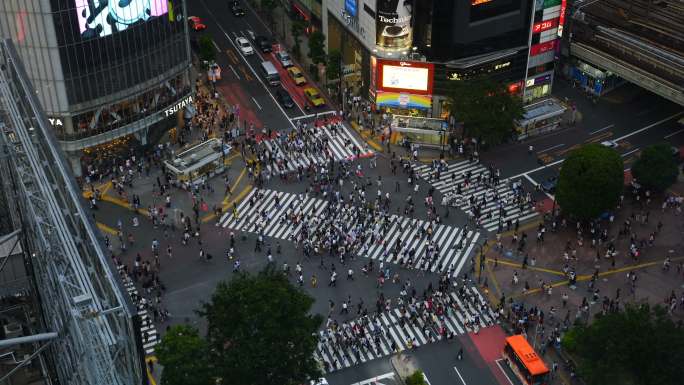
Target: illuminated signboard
{"type": "Point", "coordinates": [479, 2]}
{"type": "Point", "coordinates": [178, 106]}
{"type": "Point", "coordinates": [403, 100]}
{"type": "Point", "coordinates": [544, 25]}
{"type": "Point", "coordinates": [561, 19]}
{"type": "Point", "coordinates": [99, 18]}
{"type": "Point", "coordinates": [351, 6]}
{"type": "Point", "coordinates": [393, 24]}
{"type": "Point", "coordinates": [403, 76]}
{"type": "Point", "coordinates": [543, 47]}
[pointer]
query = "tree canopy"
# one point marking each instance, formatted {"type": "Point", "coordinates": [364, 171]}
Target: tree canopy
{"type": "Point", "coordinates": [656, 167]}
{"type": "Point", "coordinates": [333, 67]}
{"type": "Point", "coordinates": [485, 107]}
{"type": "Point", "coordinates": [260, 331]}
{"type": "Point", "coordinates": [207, 52]}
{"type": "Point", "coordinates": [637, 346]}
{"type": "Point", "coordinates": [590, 182]}
{"type": "Point", "coordinates": [183, 354]}
{"type": "Point", "coordinates": [317, 47]}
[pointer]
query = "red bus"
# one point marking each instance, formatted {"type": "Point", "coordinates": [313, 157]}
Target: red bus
{"type": "Point", "coordinates": [525, 362]}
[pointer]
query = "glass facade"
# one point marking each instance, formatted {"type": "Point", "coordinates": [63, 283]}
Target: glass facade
{"type": "Point", "coordinates": [102, 56]}
{"type": "Point", "coordinates": [100, 65]}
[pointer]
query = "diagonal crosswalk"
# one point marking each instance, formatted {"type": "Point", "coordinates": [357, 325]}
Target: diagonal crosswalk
{"type": "Point", "coordinates": [315, 146]}
{"type": "Point", "coordinates": [476, 191]}
{"type": "Point", "coordinates": [371, 337]}
{"type": "Point", "coordinates": [282, 215]}
{"type": "Point", "coordinates": [148, 332]}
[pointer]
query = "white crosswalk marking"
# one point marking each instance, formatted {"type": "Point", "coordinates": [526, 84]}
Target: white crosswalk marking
{"type": "Point", "coordinates": [271, 214]}
{"type": "Point", "coordinates": [496, 204]}
{"type": "Point", "coordinates": [333, 141]}
{"type": "Point", "coordinates": [148, 332]}
{"type": "Point", "coordinates": [372, 337]}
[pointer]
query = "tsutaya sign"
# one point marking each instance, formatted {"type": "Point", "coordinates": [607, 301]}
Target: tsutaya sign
{"type": "Point", "coordinates": [178, 106]}
{"type": "Point", "coordinates": [56, 122]}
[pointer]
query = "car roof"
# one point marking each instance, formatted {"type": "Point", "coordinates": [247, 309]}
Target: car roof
{"type": "Point", "coordinates": [283, 53]}
{"type": "Point", "coordinates": [242, 39]}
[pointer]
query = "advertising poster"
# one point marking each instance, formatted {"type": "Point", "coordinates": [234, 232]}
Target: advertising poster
{"type": "Point", "coordinates": [99, 18]}
{"type": "Point", "coordinates": [405, 76]}
{"type": "Point", "coordinates": [351, 7]}
{"type": "Point", "coordinates": [393, 24]}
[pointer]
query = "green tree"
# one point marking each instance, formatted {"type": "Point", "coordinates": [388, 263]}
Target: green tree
{"type": "Point", "coordinates": [590, 182]}
{"type": "Point", "coordinates": [637, 346]}
{"type": "Point", "coordinates": [183, 354]}
{"type": "Point", "coordinates": [485, 107]}
{"type": "Point", "coordinates": [207, 51]}
{"type": "Point", "coordinates": [416, 378]}
{"type": "Point", "coordinates": [268, 7]}
{"type": "Point", "coordinates": [297, 29]}
{"type": "Point", "coordinates": [334, 65]}
{"type": "Point", "coordinates": [260, 331]}
{"type": "Point", "coordinates": [656, 167]}
{"type": "Point", "coordinates": [317, 47]}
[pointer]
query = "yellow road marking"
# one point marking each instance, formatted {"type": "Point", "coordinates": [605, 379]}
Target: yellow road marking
{"type": "Point", "coordinates": [232, 56]}
{"type": "Point", "coordinates": [587, 277]}
{"type": "Point", "coordinates": [232, 188]}
{"type": "Point", "coordinates": [244, 72]}
{"type": "Point", "coordinates": [601, 136]}
{"type": "Point", "coordinates": [366, 137]}
{"type": "Point", "coordinates": [122, 203]}
{"type": "Point", "coordinates": [239, 197]}
{"type": "Point", "coordinates": [528, 267]}
{"type": "Point", "coordinates": [147, 368]}
{"type": "Point", "coordinates": [106, 229]}
{"type": "Point", "coordinates": [566, 150]}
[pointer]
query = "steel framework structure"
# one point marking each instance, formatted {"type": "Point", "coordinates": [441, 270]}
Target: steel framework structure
{"type": "Point", "coordinates": [80, 295]}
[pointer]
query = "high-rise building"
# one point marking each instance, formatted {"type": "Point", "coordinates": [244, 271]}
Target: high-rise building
{"type": "Point", "coordinates": [402, 54]}
{"type": "Point", "coordinates": [108, 73]}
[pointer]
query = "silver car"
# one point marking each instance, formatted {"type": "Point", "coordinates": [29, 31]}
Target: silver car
{"type": "Point", "coordinates": [284, 59]}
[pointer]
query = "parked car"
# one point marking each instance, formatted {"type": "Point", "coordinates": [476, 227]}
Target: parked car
{"type": "Point", "coordinates": [244, 46]}
{"type": "Point", "coordinates": [263, 43]}
{"type": "Point", "coordinates": [195, 23]}
{"type": "Point", "coordinates": [609, 144]}
{"type": "Point", "coordinates": [314, 97]}
{"type": "Point", "coordinates": [296, 75]}
{"type": "Point", "coordinates": [284, 98]}
{"type": "Point", "coordinates": [284, 59]}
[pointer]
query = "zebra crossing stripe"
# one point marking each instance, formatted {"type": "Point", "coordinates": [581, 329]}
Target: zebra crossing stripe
{"type": "Point", "coordinates": [491, 215]}
{"type": "Point", "coordinates": [277, 225]}
{"type": "Point", "coordinates": [387, 327]}
{"type": "Point", "coordinates": [147, 327]}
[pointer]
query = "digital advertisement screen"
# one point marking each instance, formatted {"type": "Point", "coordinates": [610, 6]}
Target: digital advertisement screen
{"type": "Point", "coordinates": [393, 24]}
{"type": "Point", "coordinates": [408, 78]}
{"type": "Point", "coordinates": [99, 18]}
{"type": "Point", "coordinates": [411, 77]}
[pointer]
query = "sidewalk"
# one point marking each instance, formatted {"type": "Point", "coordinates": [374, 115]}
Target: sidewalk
{"type": "Point", "coordinates": [537, 278]}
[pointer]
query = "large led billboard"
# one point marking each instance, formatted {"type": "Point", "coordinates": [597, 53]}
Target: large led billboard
{"type": "Point", "coordinates": [405, 76]}
{"type": "Point", "coordinates": [99, 18]}
{"type": "Point", "coordinates": [393, 24]}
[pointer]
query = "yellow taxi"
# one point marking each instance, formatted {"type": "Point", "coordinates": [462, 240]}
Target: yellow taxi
{"type": "Point", "coordinates": [296, 75]}
{"type": "Point", "coordinates": [314, 97]}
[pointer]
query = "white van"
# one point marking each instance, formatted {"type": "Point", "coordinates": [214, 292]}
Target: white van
{"type": "Point", "coordinates": [270, 73]}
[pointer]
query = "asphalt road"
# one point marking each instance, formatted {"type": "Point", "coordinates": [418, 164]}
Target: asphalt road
{"type": "Point", "coordinates": [242, 83]}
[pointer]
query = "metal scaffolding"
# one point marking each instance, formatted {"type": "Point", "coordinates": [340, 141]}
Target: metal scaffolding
{"type": "Point", "coordinates": [80, 295]}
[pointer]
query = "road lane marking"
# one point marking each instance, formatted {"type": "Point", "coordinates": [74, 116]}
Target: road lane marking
{"type": "Point", "coordinates": [257, 103]}
{"type": "Point", "coordinates": [661, 121]}
{"type": "Point", "coordinates": [629, 152]}
{"type": "Point", "coordinates": [551, 148]}
{"type": "Point", "coordinates": [216, 45]}
{"type": "Point", "coordinates": [460, 376]}
{"type": "Point", "coordinates": [249, 65]}
{"type": "Point", "coordinates": [498, 363]}
{"type": "Point", "coordinates": [668, 136]}
{"type": "Point", "coordinates": [248, 77]}
{"type": "Point", "coordinates": [599, 137]}
{"type": "Point", "coordinates": [231, 56]}
{"type": "Point", "coordinates": [602, 129]}
{"type": "Point", "coordinates": [535, 184]}
{"type": "Point", "coordinates": [234, 72]}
